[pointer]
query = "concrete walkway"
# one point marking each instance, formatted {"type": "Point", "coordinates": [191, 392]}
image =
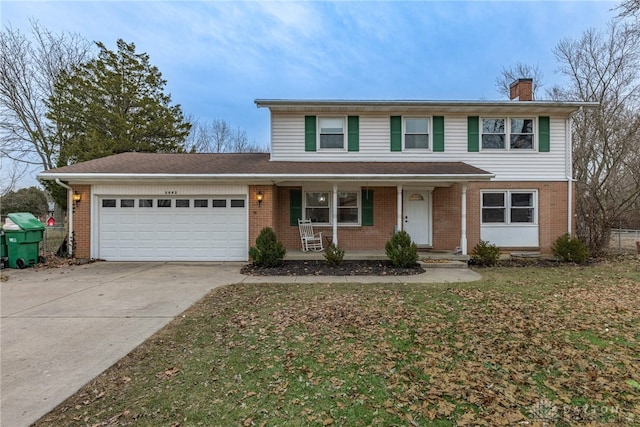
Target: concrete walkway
{"type": "Point", "coordinates": [61, 327]}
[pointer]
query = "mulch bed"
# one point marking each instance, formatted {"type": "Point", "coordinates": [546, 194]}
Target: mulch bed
{"type": "Point", "coordinates": [320, 268]}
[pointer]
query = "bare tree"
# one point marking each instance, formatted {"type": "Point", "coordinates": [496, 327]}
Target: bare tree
{"type": "Point", "coordinates": [603, 67]}
{"type": "Point", "coordinates": [218, 136]}
{"type": "Point", "coordinates": [29, 66]}
{"type": "Point", "coordinates": [519, 71]}
{"type": "Point", "coordinates": [629, 8]}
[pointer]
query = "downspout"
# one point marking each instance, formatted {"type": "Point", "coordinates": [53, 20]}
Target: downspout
{"type": "Point", "coordinates": [69, 214]}
{"type": "Point", "coordinates": [569, 173]}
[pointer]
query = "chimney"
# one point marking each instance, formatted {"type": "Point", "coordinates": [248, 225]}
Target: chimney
{"type": "Point", "coordinates": [522, 90]}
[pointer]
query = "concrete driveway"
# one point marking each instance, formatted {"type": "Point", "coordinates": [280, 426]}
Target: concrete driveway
{"type": "Point", "coordinates": [61, 327]}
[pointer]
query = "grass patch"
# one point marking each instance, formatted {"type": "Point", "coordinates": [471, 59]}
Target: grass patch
{"type": "Point", "coordinates": [555, 345]}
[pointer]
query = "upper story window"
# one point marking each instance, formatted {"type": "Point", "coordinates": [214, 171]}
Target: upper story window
{"type": "Point", "coordinates": [331, 131]}
{"type": "Point", "coordinates": [507, 133]}
{"type": "Point", "coordinates": [416, 133]}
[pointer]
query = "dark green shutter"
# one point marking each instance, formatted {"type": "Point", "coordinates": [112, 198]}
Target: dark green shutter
{"type": "Point", "coordinates": [309, 133]}
{"type": "Point", "coordinates": [544, 135]}
{"type": "Point", "coordinates": [473, 134]}
{"type": "Point", "coordinates": [396, 133]}
{"type": "Point", "coordinates": [295, 206]}
{"type": "Point", "coordinates": [353, 123]}
{"type": "Point", "coordinates": [438, 133]}
{"type": "Point", "coordinates": [367, 207]}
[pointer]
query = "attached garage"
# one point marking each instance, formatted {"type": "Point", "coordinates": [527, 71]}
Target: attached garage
{"type": "Point", "coordinates": [140, 225]}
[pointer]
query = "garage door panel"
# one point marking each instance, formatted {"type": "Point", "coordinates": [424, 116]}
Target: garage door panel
{"type": "Point", "coordinates": [173, 233]}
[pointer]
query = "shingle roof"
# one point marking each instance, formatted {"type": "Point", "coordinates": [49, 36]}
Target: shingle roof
{"type": "Point", "coordinates": [248, 164]}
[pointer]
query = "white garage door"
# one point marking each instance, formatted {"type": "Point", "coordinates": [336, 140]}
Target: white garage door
{"type": "Point", "coordinates": [146, 228]}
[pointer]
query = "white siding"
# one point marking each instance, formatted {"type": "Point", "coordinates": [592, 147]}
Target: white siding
{"type": "Point", "coordinates": [288, 145]}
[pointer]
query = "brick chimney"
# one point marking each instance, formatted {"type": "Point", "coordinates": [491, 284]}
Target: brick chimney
{"type": "Point", "coordinates": [522, 90]}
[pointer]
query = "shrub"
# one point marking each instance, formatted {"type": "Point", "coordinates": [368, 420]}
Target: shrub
{"type": "Point", "coordinates": [333, 255]}
{"type": "Point", "coordinates": [568, 249]}
{"type": "Point", "coordinates": [485, 254]}
{"type": "Point", "coordinates": [402, 252]}
{"type": "Point", "coordinates": [268, 251]}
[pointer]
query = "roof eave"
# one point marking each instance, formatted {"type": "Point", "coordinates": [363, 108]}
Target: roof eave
{"type": "Point", "coordinates": [105, 177]}
{"type": "Point", "coordinates": [444, 106]}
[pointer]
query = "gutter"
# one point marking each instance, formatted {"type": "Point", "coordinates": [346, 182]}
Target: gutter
{"type": "Point", "coordinates": [69, 213]}
{"type": "Point", "coordinates": [93, 177]}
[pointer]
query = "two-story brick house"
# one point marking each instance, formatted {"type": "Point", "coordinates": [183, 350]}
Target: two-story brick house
{"type": "Point", "coordinates": [448, 172]}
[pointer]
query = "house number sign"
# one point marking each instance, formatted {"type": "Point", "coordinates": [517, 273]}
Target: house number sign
{"type": "Point", "coordinates": [170, 192]}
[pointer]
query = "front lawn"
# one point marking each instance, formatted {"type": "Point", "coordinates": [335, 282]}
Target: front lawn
{"type": "Point", "coordinates": [528, 346]}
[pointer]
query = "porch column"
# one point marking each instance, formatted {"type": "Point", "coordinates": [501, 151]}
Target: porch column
{"type": "Point", "coordinates": [399, 204]}
{"type": "Point", "coordinates": [463, 223]}
{"type": "Point", "coordinates": [334, 213]}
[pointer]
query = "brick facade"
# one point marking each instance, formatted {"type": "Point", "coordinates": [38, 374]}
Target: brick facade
{"type": "Point", "coordinates": [82, 223]}
{"type": "Point", "coordinates": [274, 212]}
{"type": "Point", "coordinates": [552, 217]}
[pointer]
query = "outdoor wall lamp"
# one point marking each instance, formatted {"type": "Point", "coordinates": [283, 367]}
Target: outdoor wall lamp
{"type": "Point", "coordinates": [76, 197]}
{"type": "Point", "coordinates": [259, 197]}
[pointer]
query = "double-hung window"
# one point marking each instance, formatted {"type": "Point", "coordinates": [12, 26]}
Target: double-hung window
{"type": "Point", "coordinates": [508, 207]}
{"type": "Point", "coordinates": [318, 206]}
{"type": "Point", "coordinates": [507, 133]}
{"type": "Point", "coordinates": [331, 131]}
{"type": "Point", "coordinates": [416, 133]}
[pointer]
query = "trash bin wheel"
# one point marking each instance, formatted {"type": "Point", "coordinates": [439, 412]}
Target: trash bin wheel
{"type": "Point", "coordinates": [20, 263]}
{"type": "Point", "coordinates": [41, 259]}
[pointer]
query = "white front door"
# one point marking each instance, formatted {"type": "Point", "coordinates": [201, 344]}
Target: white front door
{"type": "Point", "coordinates": [417, 216]}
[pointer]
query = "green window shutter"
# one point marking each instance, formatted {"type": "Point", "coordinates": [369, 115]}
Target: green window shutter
{"type": "Point", "coordinates": [295, 206]}
{"type": "Point", "coordinates": [473, 136]}
{"type": "Point", "coordinates": [309, 133]}
{"type": "Point", "coordinates": [544, 135]}
{"type": "Point", "coordinates": [396, 133]}
{"type": "Point", "coordinates": [438, 133]}
{"type": "Point", "coordinates": [367, 207]}
{"type": "Point", "coordinates": [353, 123]}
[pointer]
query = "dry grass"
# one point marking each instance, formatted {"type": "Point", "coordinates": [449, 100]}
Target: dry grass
{"type": "Point", "coordinates": [524, 346]}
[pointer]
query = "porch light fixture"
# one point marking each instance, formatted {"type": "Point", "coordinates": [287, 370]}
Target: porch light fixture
{"type": "Point", "coordinates": [76, 197]}
{"type": "Point", "coordinates": [259, 197]}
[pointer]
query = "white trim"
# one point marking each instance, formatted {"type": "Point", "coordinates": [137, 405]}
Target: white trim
{"type": "Point", "coordinates": [332, 194]}
{"type": "Point", "coordinates": [253, 178]}
{"type": "Point", "coordinates": [334, 214]}
{"type": "Point", "coordinates": [70, 208]}
{"type": "Point", "coordinates": [429, 134]}
{"type": "Point", "coordinates": [463, 220]}
{"type": "Point", "coordinates": [507, 134]}
{"type": "Point", "coordinates": [507, 207]}
{"type": "Point", "coordinates": [344, 133]}
{"type": "Point", "coordinates": [399, 201]}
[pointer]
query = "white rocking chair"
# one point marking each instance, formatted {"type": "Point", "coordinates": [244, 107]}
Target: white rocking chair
{"type": "Point", "coordinates": [309, 240]}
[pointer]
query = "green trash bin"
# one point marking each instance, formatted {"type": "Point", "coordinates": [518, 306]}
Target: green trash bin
{"type": "Point", "coordinates": [3, 250]}
{"type": "Point", "coordinates": [23, 245]}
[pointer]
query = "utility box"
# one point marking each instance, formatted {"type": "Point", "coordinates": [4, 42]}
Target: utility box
{"type": "Point", "coordinates": [23, 233]}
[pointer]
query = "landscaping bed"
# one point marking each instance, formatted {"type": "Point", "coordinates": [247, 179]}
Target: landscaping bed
{"type": "Point", "coordinates": [320, 268]}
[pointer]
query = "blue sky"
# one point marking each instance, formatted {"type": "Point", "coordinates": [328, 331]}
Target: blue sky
{"type": "Point", "coordinates": [219, 56]}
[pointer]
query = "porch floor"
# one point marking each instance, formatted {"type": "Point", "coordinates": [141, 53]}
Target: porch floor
{"type": "Point", "coordinates": [428, 259]}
